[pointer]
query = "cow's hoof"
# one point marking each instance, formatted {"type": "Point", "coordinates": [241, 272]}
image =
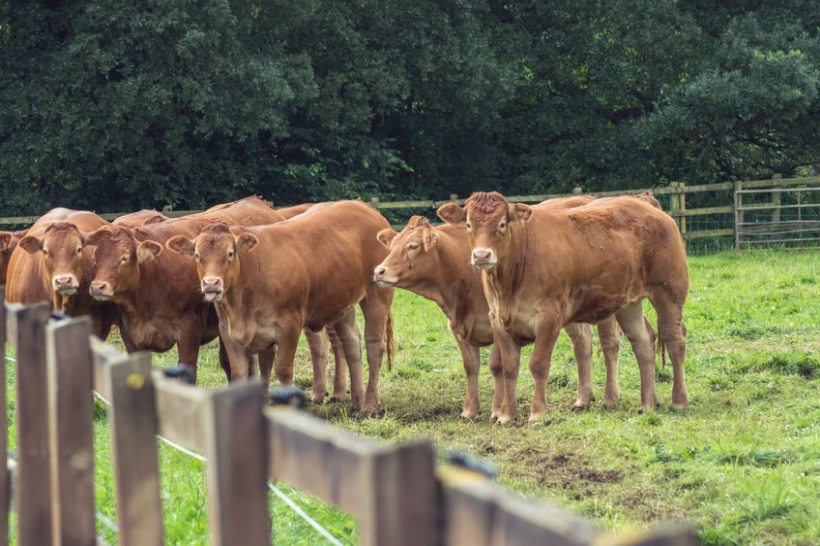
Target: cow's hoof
{"type": "Point", "coordinates": [581, 406]}
{"type": "Point", "coordinates": [505, 419]}
{"type": "Point", "coordinates": [370, 412]}
{"type": "Point", "coordinates": [610, 404]}
{"type": "Point", "coordinates": [537, 416]}
{"type": "Point", "coordinates": [680, 406]}
{"type": "Point", "coordinates": [469, 414]}
{"type": "Point", "coordinates": [646, 408]}
{"type": "Point", "coordinates": [318, 400]}
{"type": "Point", "coordinates": [335, 400]}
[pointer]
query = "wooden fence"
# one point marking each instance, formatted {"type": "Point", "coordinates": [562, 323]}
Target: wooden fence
{"type": "Point", "coordinates": [398, 493]}
{"type": "Point", "coordinates": [676, 198]}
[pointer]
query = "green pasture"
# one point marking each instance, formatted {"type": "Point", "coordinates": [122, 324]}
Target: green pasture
{"type": "Point", "coordinates": [742, 463]}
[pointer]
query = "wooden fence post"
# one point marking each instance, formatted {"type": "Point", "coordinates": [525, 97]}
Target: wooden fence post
{"type": "Point", "coordinates": [738, 202]}
{"type": "Point", "coordinates": [5, 478]}
{"type": "Point", "coordinates": [682, 207]}
{"type": "Point", "coordinates": [776, 201]}
{"type": "Point", "coordinates": [577, 190]}
{"type": "Point", "coordinates": [34, 493]}
{"type": "Point", "coordinates": [374, 202]}
{"type": "Point", "coordinates": [402, 500]}
{"type": "Point", "coordinates": [136, 467]}
{"type": "Point", "coordinates": [237, 466]}
{"type": "Point", "coordinates": [71, 415]}
{"type": "Point", "coordinates": [674, 202]}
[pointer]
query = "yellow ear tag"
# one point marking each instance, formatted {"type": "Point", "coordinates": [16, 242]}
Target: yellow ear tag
{"type": "Point", "coordinates": [135, 381]}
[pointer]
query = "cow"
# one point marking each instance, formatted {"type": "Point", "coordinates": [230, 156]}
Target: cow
{"type": "Point", "coordinates": [434, 262]}
{"type": "Point", "coordinates": [269, 282]}
{"type": "Point", "coordinates": [8, 242]}
{"type": "Point", "coordinates": [140, 218]}
{"type": "Point", "coordinates": [52, 262]}
{"type": "Point", "coordinates": [542, 269]}
{"type": "Point", "coordinates": [156, 292]}
{"type": "Point", "coordinates": [290, 212]}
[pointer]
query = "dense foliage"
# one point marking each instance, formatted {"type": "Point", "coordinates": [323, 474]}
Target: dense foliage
{"type": "Point", "coordinates": [116, 105]}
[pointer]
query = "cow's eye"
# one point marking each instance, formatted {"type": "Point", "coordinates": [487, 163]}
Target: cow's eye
{"type": "Point", "coordinates": [79, 250]}
{"type": "Point", "coordinates": [196, 255]}
{"type": "Point", "coordinates": [469, 225]}
{"type": "Point", "coordinates": [502, 226]}
{"type": "Point", "coordinates": [124, 259]}
{"type": "Point", "coordinates": [412, 246]}
{"type": "Point", "coordinates": [45, 252]}
{"type": "Point", "coordinates": [230, 253]}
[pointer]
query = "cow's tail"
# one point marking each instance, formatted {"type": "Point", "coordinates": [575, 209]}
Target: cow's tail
{"type": "Point", "coordinates": [390, 345]}
{"type": "Point", "coordinates": [662, 347]}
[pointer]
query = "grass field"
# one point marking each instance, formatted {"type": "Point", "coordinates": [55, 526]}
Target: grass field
{"type": "Point", "coordinates": [742, 463]}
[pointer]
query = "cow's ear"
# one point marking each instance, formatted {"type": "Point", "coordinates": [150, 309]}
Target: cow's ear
{"type": "Point", "coordinates": [246, 242]}
{"type": "Point", "coordinates": [5, 240]}
{"type": "Point", "coordinates": [430, 239]}
{"type": "Point", "coordinates": [519, 212]}
{"type": "Point", "coordinates": [452, 214]}
{"type": "Point", "coordinates": [386, 236]}
{"type": "Point", "coordinates": [148, 250]}
{"type": "Point", "coordinates": [181, 244]}
{"type": "Point", "coordinates": [97, 237]}
{"type": "Point", "coordinates": [154, 220]}
{"type": "Point", "coordinates": [31, 244]}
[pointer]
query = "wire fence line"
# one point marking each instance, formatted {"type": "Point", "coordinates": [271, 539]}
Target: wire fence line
{"type": "Point", "coordinates": [111, 525]}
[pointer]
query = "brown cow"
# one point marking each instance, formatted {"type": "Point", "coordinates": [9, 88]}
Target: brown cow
{"type": "Point", "coordinates": [295, 210]}
{"type": "Point", "coordinates": [269, 282]}
{"type": "Point", "coordinates": [140, 218]}
{"type": "Point", "coordinates": [157, 293]}
{"type": "Point", "coordinates": [434, 262]}
{"type": "Point", "coordinates": [8, 242]}
{"type": "Point", "coordinates": [52, 263]}
{"type": "Point", "coordinates": [544, 268]}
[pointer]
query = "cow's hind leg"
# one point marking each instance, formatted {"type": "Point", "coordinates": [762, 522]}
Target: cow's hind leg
{"type": "Point", "coordinates": [670, 330]}
{"type": "Point", "coordinates": [580, 334]}
{"type": "Point", "coordinates": [506, 377]}
{"type": "Point", "coordinates": [348, 334]}
{"type": "Point", "coordinates": [317, 343]}
{"type": "Point", "coordinates": [471, 357]}
{"type": "Point", "coordinates": [631, 320]}
{"type": "Point", "coordinates": [377, 336]}
{"type": "Point", "coordinates": [610, 336]}
{"type": "Point", "coordinates": [340, 379]}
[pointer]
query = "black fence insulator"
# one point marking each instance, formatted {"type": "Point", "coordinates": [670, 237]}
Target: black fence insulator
{"type": "Point", "coordinates": [184, 373]}
{"type": "Point", "coordinates": [288, 396]}
{"type": "Point", "coordinates": [474, 464]}
{"type": "Point", "coordinates": [58, 315]}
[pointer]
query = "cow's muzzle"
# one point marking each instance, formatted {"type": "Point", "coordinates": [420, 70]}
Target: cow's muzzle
{"type": "Point", "coordinates": [100, 290]}
{"type": "Point", "coordinates": [483, 258]}
{"type": "Point", "coordinates": [65, 285]}
{"type": "Point", "coordinates": [212, 289]}
{"type": "Point", "coordinates": [382, 277]}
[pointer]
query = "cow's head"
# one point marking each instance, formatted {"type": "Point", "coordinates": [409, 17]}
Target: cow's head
{"type": "Point", "coordinates": [487, 217]}
{"type": "Point", "coordinates": [8, 242]}
{"type": "Point", "coordinates": [217, 251]}
{"type": "Point", "coordinates": [62, 246]}
{"type": "Point", "coordinates": [118, 257]}
{"type": "Point", "coordinates": [412, 258]}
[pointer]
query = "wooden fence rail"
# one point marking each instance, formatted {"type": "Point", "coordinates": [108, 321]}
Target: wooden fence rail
{"type": "Point", "coordinates": [674, 196]}
{"type": "Point", "coordinates": [398, 493]}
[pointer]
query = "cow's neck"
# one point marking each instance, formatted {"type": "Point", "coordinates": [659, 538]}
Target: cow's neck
{"type": "Point", "coordinates": [458, 279]}
{"type": "Point", "coordinates": [505, 277]}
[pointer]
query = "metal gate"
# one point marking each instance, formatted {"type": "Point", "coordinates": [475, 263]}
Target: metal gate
{"type": "Point", "coordinates": [789, 218]}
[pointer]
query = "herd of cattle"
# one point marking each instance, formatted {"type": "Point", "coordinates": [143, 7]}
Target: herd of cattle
{"type": "Point", "coordinates": [505, 274]}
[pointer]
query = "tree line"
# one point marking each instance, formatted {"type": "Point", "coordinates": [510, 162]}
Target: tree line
{"type": "Point", "coordinates": [112, 105]}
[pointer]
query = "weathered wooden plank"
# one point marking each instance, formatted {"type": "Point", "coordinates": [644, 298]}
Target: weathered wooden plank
{"type": "Point", "coordinates": [703, 211]}
{"type": "Point", "coordinates": [179, 413]}
{"type": "Point", "coordinates": [34, 501]}
{"type": "Point", "coordinates": [103, 355]}
{"type": "Point", "coordinates": [705, 233]}
{"type": "Point", "coordinates": [523, 522]}
{"type": "Point", "coordinates": [136, 467]}
{"type": "Point", "coordinates": [401, 494]}
{"type": "Point", "coordinates": [236, 468]}
{"type": "Point", "coordinates": [468, 505]}
{"type": "Point", "coordinates": [5, 478]}
{"type": "Point", "coordinates": [310, 454]}
{"type": "Point", "coordinates": [70, 404]}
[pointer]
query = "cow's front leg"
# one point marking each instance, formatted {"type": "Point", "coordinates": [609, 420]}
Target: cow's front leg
{"type": "Point", "coordinates": [546, 333]}
{"type": "Point", "coordinates": [472, 360]}
{"type": "Point", "coordinates": [238, 360]}
{"type": "Point", "coordinates": [287, 339]}
{"type": "Point", "coordinates": [510, 354]}
{"type": "Point", "coordinates": [188, 341]}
